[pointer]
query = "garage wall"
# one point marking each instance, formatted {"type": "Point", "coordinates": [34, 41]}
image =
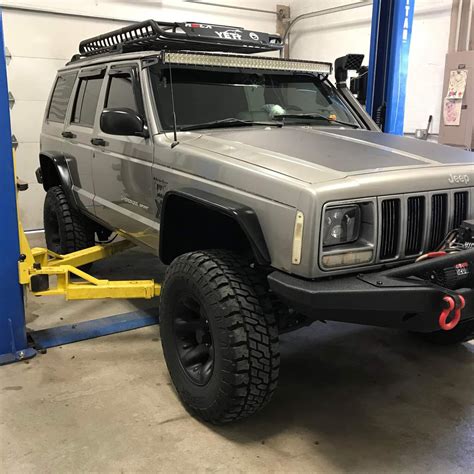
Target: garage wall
{"type": "Point", "coordinates": [328, 37]}
{"type": "Point", "coordinates": [41, 42]}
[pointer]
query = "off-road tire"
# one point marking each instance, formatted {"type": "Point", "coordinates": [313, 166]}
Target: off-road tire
{"type": "Point", "coordinates": [66, 230]}
{"type": "Point", "coordinates": [233, 300]}
{"type": "Point", "coordinates": [461, 333]}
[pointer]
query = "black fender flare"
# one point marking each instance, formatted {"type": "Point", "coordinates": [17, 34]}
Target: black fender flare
{"type": "Point", "coordinates": [54, 170]}
{"type": "Point", "coordinates": [244, 216]}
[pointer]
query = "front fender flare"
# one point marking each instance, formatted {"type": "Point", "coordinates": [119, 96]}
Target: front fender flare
{"type": "Point", "coordinates": [244, 216]}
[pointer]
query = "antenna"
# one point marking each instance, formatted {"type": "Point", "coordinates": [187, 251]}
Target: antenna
{"type": "Point", "coordinates": [175, 128]}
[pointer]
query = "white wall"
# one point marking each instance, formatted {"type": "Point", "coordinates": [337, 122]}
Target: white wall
{"type": "Point", "coordinates": [40, 43]}
{"type": "Point", "coordinates": [429, 46]}
{"type": "Point", "coordinates": [328, 37]}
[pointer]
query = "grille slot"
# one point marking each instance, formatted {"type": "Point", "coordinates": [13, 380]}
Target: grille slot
{"type": "Point", "coordinates": [439, 214]}
{"type": "Point", "coordinates": [390, 225]}
{"type": "Point", "coordinates": [415, 225]}
{"type": "Point", "coordinates": [460, 208]}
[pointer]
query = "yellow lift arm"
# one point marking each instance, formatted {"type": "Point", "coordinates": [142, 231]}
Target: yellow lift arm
{"type": "Point", "coordinates": [37, 265]}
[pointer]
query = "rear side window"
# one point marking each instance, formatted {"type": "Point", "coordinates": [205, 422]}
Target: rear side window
{"type": "Point", "coordinates": [86, 102]}
{"type": "Point", "coordinates": [120, 93]}
{"type": "Point", "coordinates": [60, 98]}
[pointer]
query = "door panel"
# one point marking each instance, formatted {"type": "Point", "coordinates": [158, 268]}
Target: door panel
{"type": "Point", "coordinates": [77, 135]}
{"type": "Point", "coordinates": [122, 167]}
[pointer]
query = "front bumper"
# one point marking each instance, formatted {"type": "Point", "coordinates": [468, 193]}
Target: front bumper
{"type": "Point", "coordinates": [395, 298]}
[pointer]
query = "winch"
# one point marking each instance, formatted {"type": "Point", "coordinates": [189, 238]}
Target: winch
{"type": "Point", "coordinates": [459, 275]}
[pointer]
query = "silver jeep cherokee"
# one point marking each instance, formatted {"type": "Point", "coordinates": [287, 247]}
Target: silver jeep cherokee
{"type": "Point", "coordinates": [269, 192]}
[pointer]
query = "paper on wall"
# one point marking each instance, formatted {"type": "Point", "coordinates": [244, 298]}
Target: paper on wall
{"type": "Point", "coordinates": [452, 112]}
{"type": "Point", "coordinates": [457, 84]}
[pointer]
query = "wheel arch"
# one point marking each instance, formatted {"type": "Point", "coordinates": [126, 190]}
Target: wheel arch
{"type": "Point", "coordinates": [215, 222]}
{"type": "Point", "coordinates": [54, 171]}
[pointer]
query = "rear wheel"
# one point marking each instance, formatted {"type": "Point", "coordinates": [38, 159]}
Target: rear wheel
{"type": "Point", "coordinates": [219, 335]}
{"type": "Point", "coordinates": [461, 333]}
{"type": "Point", "coordinates": [65, 229]}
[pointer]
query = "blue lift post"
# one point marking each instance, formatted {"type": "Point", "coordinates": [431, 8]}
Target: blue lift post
{"type": "Point", "coordinates": [13, 341]}
{"type": "Point", "coordinates": [392, 22]}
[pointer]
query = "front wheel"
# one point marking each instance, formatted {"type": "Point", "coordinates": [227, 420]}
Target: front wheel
{"type": "Point", "coordinates": [219, 336]}
{"type": "Point", "coordinates": [461, 333]}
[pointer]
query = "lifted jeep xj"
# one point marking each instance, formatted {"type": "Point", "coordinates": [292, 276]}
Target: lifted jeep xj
{"type": "Point", "coordinates": [269, 192]}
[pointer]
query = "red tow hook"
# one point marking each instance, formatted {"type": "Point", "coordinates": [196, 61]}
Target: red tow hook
{"type": "Point", "coordinates": [443, 317]}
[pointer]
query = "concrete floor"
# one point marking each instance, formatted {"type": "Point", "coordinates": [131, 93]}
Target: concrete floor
{"type": "Point", "coordinates": [351, 399]}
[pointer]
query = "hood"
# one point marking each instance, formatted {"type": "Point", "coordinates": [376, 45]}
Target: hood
{"type": "Point", "coordinates": [319, 155]}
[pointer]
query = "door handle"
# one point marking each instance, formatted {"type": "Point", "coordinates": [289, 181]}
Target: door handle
{"type": "Point", "coordinates": [68, 135]}
{"type": "Point", "coordinates": [98, 142]}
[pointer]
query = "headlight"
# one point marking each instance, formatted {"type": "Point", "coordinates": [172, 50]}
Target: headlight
{"type": "Point", "coordinates": [348, 232]}
{"type": "Point", "coordinates": [341, 225]}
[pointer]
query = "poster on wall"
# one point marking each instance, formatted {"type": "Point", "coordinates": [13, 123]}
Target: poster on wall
{"type": "Point", "coordinates": [457, 84]}
{"type": "Point", "coordinates": [452, 112]}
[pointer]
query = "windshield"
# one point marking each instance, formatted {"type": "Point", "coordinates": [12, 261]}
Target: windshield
{"type": "Point", "coordinates": [203, 96]}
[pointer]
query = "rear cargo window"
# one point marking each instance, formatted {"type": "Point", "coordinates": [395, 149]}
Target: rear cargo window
{"type": "Point", "coordinates": [60, 98]}
{"type": "Point", "coordinates": [86, 102]}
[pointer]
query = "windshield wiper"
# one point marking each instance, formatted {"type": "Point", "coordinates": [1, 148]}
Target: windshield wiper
{"type": "Point", "coordinates": [315, 117]}
{"type": "Point", "coordinates": [228, 122]}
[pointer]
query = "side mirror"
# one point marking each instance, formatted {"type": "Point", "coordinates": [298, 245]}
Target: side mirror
{"type": "Point", "coordinates": [350, 62]}
{"type": "Point", "coordinates": [122, 121]}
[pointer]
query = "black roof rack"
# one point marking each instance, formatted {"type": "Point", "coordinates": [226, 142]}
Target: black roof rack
{"type": "Point", "coordinates": [152, 35]}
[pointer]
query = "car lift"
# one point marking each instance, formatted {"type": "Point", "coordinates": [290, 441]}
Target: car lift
{"type": "Point", "coordinates": [38, 264]}
{"type": "Point", "coordinates": [26, 268]}
{"type": "Point", "coordinates": [392, 22]}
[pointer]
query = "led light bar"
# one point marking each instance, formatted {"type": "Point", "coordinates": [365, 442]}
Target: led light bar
{"type": "Point", "coordinates": [246, 62]}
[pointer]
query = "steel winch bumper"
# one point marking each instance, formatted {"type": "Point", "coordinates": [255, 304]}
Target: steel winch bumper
{"type": "Point", "coordinates": [400, 297]}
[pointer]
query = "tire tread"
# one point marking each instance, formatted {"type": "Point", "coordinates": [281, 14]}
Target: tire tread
{"type": "Point", "coordinates": [252, 365]}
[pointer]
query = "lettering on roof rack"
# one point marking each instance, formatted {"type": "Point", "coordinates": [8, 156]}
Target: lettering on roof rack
{"type": "Point", "coordinates": [198, 25]}
{"type": "Point", "coordinates": [230, 34]}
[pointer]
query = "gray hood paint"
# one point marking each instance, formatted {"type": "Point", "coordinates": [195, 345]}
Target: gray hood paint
{"type": "Point", "coordinates": [339, 152]}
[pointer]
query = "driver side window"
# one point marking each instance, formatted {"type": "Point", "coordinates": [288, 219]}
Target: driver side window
{"type": "Point", "coordinates": [120, 93]}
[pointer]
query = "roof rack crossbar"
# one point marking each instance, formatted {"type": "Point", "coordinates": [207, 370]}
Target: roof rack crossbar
{"type": "Point", "coordinates": [151, 34]}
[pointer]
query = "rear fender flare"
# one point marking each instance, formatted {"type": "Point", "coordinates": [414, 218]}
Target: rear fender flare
{"type": "Point", "coordinates": [55, 171]}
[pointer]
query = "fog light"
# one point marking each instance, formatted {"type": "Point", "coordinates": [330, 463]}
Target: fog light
{"type": "Point", "coordinates": [347, 259]}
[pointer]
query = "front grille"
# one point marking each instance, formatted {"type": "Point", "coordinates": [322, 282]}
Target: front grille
{"type": "Point", "coordinates": [460, 208]}
{"type": "Point", "coordinates": [390, 228]}
{"type": "Point", "coordinates": [410, 225]}
{"type": "Point", "coordinates": [415, 225]}
{"type": "Point", "coordinates": [439, 219]}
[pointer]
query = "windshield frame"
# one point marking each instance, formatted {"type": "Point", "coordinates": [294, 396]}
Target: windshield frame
{"type": "Point", "coordinates": [306, 123]}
